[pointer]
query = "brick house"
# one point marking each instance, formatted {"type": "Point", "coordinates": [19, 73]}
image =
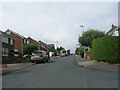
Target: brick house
{"type": "Point", "coordinates": [32, 41]}
{"type": "Point", "coordinates": [51, 48]}
{"type": "Point", "coordinates": [20, 41]}
{"type": "Point", "coordinates": [43, 46]}
{"type": "Point", "coordinates": [18, 44]}
{"type": "Point", "coordinates": [27, 41]}
{"type": "Point", "coordinates": [7, 45]}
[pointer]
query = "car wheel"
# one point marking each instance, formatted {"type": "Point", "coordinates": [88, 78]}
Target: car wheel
{"type": "Point", "coordinates": [44, 60]}
{"type": "Point", "coordinates": [35, 62]}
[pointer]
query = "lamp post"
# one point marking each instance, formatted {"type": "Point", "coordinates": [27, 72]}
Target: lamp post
{"type": "Point", "coordinates": [82, 27]}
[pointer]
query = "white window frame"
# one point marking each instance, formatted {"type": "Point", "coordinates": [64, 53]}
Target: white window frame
{"type": "Point", "coordinates": [5, 52]}
{"type": "Point", "coordinates": [4, 39]}
{"type": "Point", "coordinates": [28, 42]}
{"type": "Point", "coordinates": [24, 40]}
{"type": "Point", "coordinates": [11, 41]}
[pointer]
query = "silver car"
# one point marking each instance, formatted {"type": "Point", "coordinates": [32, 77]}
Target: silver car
{"type": "Point", "coordinates": [39, 56]}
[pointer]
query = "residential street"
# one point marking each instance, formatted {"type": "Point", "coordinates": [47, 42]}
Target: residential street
{"type": "Point", "coordinates": [64, 72]}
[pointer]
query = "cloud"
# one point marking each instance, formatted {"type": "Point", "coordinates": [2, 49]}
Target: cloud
{"type": "Point", "coordinates": [58, 21]}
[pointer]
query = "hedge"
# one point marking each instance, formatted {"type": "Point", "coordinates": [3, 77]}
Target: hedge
{"type": "Point", "coordinates": [106, 49]}
{"type": "Point", "coordinates": [14, 59]}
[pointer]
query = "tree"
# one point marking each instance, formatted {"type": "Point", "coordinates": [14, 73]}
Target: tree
{"type": "Point", "coordinates": [88, 36]}
{"type": "Point", "coordinates": [68, 51]}
{"type": "Point", "coordinates": [80, 50]}
{"type": "Point", "coordinates": [29, 49]}
{"type": "Point", "coordinates": [60, 48]}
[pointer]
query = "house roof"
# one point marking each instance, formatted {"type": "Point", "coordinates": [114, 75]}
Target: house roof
{"type": "Point", "coordinates": [51, 45]}
{"type": "Point", "coordinates": [8, 30]}
{"type": "Point", "coordinates": [42, 42]}
{"type": "Point", "coordinates": [33, 40]}
{"type": "Point", "coordinates": [6, 35]}
{"type": "Point", "coordinates": [113, 29]}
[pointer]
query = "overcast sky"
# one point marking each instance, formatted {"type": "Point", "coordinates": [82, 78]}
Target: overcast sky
{"type": "Point", "coordinates": [57, 21]}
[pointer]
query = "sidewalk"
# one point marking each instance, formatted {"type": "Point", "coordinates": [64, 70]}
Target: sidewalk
{"type": "Point", "coordinates": [95, 65]}
{"type": "Point", "coordinates": [14, 67]}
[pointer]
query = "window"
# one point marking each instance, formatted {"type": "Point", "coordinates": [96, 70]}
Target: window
{"type": "Point", "coordinates": [28, 42]}
{"type": "Point", "coordinates": [4, 52]}
{"type": "Point", "coordinates": [0, 33]}
{"type": "Point", "coordinates": [43, 46]}
{"type": "Point", "coordinates": [32, 43]}
{"type": "Point", "coordinates": [11, 41]}
{"type": "Point", "coordinates": [24, 41]}
{"type": "Point", "coordinates": [4, 39]}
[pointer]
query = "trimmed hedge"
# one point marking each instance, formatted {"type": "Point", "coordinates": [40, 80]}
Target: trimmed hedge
{"type": "Point", "coordinates": [14, 59]}
{"type": "Point", "coordinates": [106, 49]}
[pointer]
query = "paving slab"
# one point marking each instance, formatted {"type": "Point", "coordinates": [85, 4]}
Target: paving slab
{"type": "Point", "coordinates": [95, 65]}
{"type": "Point", "coordinates": [14, 67]}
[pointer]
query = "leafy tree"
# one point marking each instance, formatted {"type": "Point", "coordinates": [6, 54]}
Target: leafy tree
{"type": "Point", "coordinates": [60, 48]}
{"type": "Point", "coordinates": [29, 49]}
{"type": "Point", "coordinates": [68, 51]}
{"type": "Point", "coordinates": [80, 50]}
{"type": "Point", "coordinates": [76, 51]}
{"type": "Point", "coordinates": [88, 36]}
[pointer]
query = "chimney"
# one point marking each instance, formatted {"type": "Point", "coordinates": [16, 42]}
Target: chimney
{"type": "Point", "coordinates": [112, 25]}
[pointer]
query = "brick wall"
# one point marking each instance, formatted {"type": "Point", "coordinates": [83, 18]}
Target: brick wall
{"type": "Point", "coordinates": [41, 48]}
{"type": "Point", "coordinates": [35, 42]}
{"type": "Point", "coordinates": [18, 43]}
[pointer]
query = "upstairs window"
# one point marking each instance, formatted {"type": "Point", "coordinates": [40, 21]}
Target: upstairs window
{"type": "Point", "coordinates": [28, 42]}
{"type": "Point", "coordinates": [11, 41]}
{"type": "Point", "coordinates": [24, 41]}
{"type": "Point", "coordinates": [4, 39]}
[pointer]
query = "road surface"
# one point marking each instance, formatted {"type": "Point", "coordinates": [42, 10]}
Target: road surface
{"type": "Point", "coordinates": [63, 73]}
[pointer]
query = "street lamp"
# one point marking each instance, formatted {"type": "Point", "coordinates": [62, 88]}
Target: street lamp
{"type": "Point", "coordinates": [82, 27]}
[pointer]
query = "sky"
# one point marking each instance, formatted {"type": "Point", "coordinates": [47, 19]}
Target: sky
{"type": "Point", "coordinates": [57, 22]}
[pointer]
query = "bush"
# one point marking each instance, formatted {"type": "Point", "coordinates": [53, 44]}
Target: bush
{"type": "Point", "coordinates": [106, 49]}
{"type": "Point", "coordinates": [15, 59]}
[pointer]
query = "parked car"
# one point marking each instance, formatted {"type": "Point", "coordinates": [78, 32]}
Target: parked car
{"type": "Point", "coordinates": [39, 56]}
{"type": "Point", "coordinates": [63, 53]}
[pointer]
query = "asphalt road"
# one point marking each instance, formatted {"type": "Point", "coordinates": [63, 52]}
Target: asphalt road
{"type": "Point", "coordinates": [63, 73]}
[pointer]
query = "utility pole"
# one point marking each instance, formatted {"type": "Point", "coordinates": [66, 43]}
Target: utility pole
{"type": "Point", "coordinates": [82, 27]}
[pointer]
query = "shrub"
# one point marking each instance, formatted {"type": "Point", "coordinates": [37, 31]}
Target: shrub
{"type": "Point", "coordinates": [106, 49]}
{"type": "Point", "coordinates": [15, 59]}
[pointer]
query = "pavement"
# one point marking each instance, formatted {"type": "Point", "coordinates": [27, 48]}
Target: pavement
{"type": "Point", "coordinates": [96, 65]}
{"type": "Point", "coordinates": [17, 66]}
{"type": "Point", "coordinates": [14, 67]}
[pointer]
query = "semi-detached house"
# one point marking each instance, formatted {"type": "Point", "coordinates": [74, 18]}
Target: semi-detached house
{"type": "Point", "coordinates": [34, 42]}
{"type": "Point", "coordinates": [43, 46]}
{"type": "Point", "coordinates": [20, 41]}
{"type": "Point", "coordinates": [18, 47]}
{"type": "Point", "coordinates": [7, 45]}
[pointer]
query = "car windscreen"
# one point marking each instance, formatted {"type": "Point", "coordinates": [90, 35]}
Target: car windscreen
{"type": "Point", "coordinates": [37, 53]}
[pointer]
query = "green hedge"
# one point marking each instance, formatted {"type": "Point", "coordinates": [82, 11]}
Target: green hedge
{"type": "Point", "coordinates": [14, 59]}
{"type": "Point", "coordinates": [106, 49]}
